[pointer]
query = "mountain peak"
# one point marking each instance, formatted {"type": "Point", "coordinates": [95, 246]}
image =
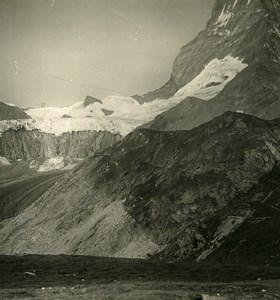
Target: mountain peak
{"type": "Point", "coordinates": [90, 100]}
{"type": "Point", "coordinates": [235, 121]}
{"type": "Point", "coordinates": [245, 29]}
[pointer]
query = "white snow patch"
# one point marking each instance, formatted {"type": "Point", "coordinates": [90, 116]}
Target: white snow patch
{"type": "Point", "coordinates": [234, 4]}
{"type": "Point", "coordinates": [212, 80]}
{"type": "Point", "coordinates": [54, 163]}
{"type": "Point", "coordinates": [32, 164]}
{"type": "Point", "coordinates": [276, 30]}
{"type": "Point", "coordinates": [4, 161]}
{"type": "Point", "coordinates": [223, 18]}
{"type": "Point", "coordinates": [10, 104]}
{"type": "Point", "coordinates": [249, 1]}
{"type": "Point", "coordinates": [47, 112]}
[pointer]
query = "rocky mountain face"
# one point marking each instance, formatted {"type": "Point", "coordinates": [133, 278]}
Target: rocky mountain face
{"type": "Point", "coordinates": [189, 113]}
{"type": "Point", "coordinates": [170, 195]}
{"type": "Point", "coordinates": [248, 30]}
{"type": "Point", "coordinates": [8, 112]}
{"type": "Point", "coordinates": [25, 144]}
{"type": "Point", "coordinates": [175, 189]}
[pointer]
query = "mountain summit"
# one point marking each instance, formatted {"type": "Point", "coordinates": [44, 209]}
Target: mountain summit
{"type": "Point", "coordinates": [242, 29]}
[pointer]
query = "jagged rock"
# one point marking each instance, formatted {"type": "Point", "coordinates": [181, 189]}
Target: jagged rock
{"type": "Point", "coordinates": [90, 100]}
{"type": "Point", "coordinates": [81, 144]}
{"type": "Point", "coordinates": [107, 112]}
{"type": "Point", "coordinates": [35, 144]}
{"type": "Point", "coordinates": [66, 117]}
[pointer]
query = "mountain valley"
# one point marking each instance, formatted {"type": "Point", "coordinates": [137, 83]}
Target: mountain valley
{"type": "Point", "coordinates": [182, 180]}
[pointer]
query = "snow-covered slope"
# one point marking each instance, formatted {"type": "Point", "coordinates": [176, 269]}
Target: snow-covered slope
{"type": "Point", "coordinates": [54, 163]}
{"type": "Point", "coordinates": [59, 126]}
{"type": "Point", "coordinates": [119, 105]}
{"type": "Point", "coordinates": [215, 76]}
{"type": "Point", "coordinates": [118, 114]}
{"type": "Point", "coordinates": [4, 161]}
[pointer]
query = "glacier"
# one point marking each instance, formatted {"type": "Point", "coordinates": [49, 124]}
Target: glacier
{"type": "Point", "coordinates": [127, 113]}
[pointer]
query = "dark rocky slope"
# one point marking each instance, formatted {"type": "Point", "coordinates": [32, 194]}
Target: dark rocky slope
{"type": "Point", "coordinates": [8, 112]}
{"type": "Point", "coordinates": [257, 239]}
{"type": "Point", "coordinates": [245, 29]}
{"type": "Point", "coordinates": [188, 114]}
{"type": "Point", "coordinates": [172, 195]}
{"type": "Point", "coordinates": [90, 100]}
{"type": "Point", "coordinates": [35, 144]}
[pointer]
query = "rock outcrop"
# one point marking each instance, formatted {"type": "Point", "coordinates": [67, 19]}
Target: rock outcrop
{"type": "Point", "coordinates": [90, 100]}
{"type": "Point", "coordinates": [35, 144]}
{"type": "Point", "coordinates": [172, 195]}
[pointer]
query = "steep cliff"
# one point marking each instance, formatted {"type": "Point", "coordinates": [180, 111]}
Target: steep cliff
{"type": "Point", "coordinates": [248, 30]}
{"type": "Point", "coordinates": [175, 195]}
{"type": "Point", "coordinates": [35, 144]}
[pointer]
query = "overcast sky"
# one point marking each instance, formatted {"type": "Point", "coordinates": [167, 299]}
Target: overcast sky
{"type": "Point", "coordinates": [59, 51]}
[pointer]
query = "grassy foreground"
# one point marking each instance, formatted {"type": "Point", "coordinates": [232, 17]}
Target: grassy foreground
{"type": "Point", "coordinates": [85, 277]}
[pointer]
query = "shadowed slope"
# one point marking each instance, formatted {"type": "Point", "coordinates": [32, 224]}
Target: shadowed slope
{"type": "Point", "coordinates": [8, 112]}
{"type": "Point", "coordinates": [154, 192]}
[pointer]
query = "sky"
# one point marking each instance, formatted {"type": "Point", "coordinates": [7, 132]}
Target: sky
{"type": "Point", "coordinates": [59, 51]}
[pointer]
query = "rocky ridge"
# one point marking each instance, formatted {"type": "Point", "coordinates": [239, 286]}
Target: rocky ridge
{"type": "Point", "coordinates": [172, 195]}
{"type": "Point", "coordinates": [35, 145]}
{"type": "Point", "coordinates": [10, 112]}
